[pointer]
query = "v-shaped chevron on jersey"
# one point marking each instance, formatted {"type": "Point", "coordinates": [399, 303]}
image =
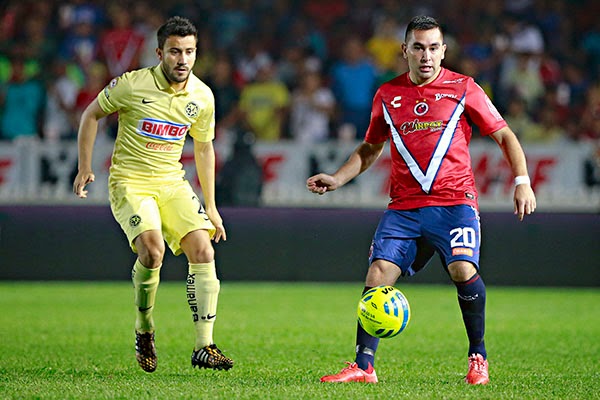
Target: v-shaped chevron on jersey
{"type": "Point", "coordinates": [426, 179]}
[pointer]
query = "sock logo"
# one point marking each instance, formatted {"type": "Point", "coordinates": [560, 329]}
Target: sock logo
{"type": "Point", "coordinates": [191, 296]}
{"type": "Point", "coordinates": [469, 298]}
{"type": "Point", "coordinates": [209, 317]}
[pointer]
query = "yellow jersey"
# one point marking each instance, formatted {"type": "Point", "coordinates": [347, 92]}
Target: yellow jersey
{"type": "Point", "coordinates": [154, 120]}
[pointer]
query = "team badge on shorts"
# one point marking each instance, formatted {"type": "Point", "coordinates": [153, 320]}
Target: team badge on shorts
{"type": "Point", "coordinates": [191, 109]}
{"type": "Point", "coordinates": [135, 220]}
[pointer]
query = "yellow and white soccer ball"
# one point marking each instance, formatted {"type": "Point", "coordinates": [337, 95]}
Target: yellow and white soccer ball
{"type": "Point", "coordinates": [383, 311]}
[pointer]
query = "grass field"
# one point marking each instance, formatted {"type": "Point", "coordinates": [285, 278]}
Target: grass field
{"type": "Point", "coordinates": [75, 341]}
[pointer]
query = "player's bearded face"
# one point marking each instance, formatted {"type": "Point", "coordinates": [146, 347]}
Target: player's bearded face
{"type": "Point", "coordinates": [178, 56]}
{"type": "Point", "coordinates": [424, 51]}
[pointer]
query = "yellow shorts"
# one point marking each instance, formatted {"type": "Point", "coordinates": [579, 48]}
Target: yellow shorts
{"type": "Point", "coordinates": [173, 208]}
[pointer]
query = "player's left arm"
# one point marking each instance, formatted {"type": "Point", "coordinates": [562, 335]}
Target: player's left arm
{"type": "Point", "coordinates": [524, 198]}
{"type": "Point", "coordinates": [204, 155]}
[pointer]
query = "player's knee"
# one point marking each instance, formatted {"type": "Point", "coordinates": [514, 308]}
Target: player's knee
{"type": "Point", "coordinates": [201, 254]}
{"type": "Point", "coordinates": [151, 258]}
{"type": "Point", "coordinates": [382, 272]}
{"type": "Point", "coordinates": [461, 271]}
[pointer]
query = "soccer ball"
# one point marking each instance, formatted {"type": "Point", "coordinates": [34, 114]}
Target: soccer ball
{"type": "Point", "coordinates": [383, 311]}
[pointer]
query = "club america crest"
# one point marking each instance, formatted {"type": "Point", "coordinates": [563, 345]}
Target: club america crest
{"type": "Point", "coordinates": [191, 109]}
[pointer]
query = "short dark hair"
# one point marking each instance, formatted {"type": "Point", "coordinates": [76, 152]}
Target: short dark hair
{"type": "Point", "coordinates": [422, 23]}
{"type": "Point", "coordinates": [175, 26]}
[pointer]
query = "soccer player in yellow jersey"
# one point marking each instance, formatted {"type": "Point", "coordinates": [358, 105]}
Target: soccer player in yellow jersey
{"type": "Point", "coordinates": [149, 196]}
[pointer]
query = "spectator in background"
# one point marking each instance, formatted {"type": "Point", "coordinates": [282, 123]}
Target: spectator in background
{"type": "Point", "coordinates": [575, 84]}
{"type": "Point", "coordinates": [325, 13]}
{"type": "Point", "coordinates": [80, 44]}
{"type": "Point", "coordinates": [41, 43]}
{"type": "Point", "coordinates": [96, 79]}
{"type": "Point", "coordinates": [290, 66]}
{"type": "Point", "coordinates": [264, 103]}
{"type": "Point", "coordinates": [22, 101]}
{"type": "Point", "coordinates": [302, 34]}
{"type": "Point", "coordinates": [591, 47]}
{"type": "Point", "coordinates": [525, 81]}
{"type": "Point", "coordinates": [518, 118]}
{"type": "Point", "coordinates": [312, 109]}
{"type": "Point", "coordinates": [353, 81]}
{"type": "Point", "coordinates": [74, 12]}
{"type": "Point", "coordinates": [590, 119]}
{"type": "Point", "coordinates": [227, 94]}
{"type": "Point", "coordinates": [151, 20]}
{"type": "Point", "coordinates": [120, 45]}
{"type": "Point", "coordinates": [549, 131]}
{"type": "Point", "coordinates": [228, 23]}
{"type": "Point", "coordinates": [239, 181]}
{"type": "Point", "coordinates": [60, 121]}
{"type": "Point", "coordinates": [516, 39]}
{"type": "Point", "coordinates": [385, 46]}
{"type": "Point", "coordinates": [207, 55]}
{"type": "Point", "coordinates": [591, 167]}
{"type": "Point", "coordinates": [252, 57]}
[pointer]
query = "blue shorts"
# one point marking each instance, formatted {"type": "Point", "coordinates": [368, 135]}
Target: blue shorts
{"type": "Point", "coordinates": [409, 238]}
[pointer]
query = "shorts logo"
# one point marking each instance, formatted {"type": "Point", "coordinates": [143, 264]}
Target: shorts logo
{"type": "Point", "coordinates": [191, 109]}
{"type": "Point", "coordinates": [462, 251]}
{"type": "Point", "coordinates": [135, 220]}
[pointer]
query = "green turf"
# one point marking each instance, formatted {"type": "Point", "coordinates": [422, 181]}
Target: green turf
{"type": "Point", "coordinates": [75, 341]}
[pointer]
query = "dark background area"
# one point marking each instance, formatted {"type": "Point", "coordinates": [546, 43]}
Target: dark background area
{"type": "Point", "coordinates": [300, 244]}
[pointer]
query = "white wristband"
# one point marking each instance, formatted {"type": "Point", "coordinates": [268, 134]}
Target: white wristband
{"type": "Point", "coordinates": [523, 179]}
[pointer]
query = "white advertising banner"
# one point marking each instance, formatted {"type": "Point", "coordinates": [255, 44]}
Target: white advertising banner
{"type": "Point", "coordinates": [35, 172]}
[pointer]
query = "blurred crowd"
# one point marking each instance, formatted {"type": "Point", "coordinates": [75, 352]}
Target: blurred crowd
{"type": "Point", "coordinates": [303, 70]}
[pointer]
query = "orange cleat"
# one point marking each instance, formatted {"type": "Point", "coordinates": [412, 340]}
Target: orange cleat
{"type": "Point", "coordinates": [353, 374]}
{"type": "Point", "coordinates": [478, 370]}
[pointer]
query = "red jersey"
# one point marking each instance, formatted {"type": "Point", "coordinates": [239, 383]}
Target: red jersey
{"type": "Point", "coordinates": [429, 130]}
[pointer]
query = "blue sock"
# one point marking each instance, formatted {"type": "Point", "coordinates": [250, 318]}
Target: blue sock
{"type": "Point", "coordinates": [471, 298]}
{"type": "Point", "coordinates": [366, 346]}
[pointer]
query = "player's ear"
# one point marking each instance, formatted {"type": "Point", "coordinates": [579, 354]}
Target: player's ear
{"type": "Point", "coordinates": [159, 53]}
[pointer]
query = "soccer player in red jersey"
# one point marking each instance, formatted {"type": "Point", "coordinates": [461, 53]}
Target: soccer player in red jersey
{"type": "Point", "coordinates": [426, 114]}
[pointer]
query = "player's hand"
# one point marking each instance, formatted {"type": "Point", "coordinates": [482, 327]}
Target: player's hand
{"type": "Point", "coordinates": [217, 221]}
{"type": "Point", "coordinates": [524, 200]}
{"type": "Point", "coordinates": [321, 183]}
{"type": "Point", "coordinates": [81, 180]}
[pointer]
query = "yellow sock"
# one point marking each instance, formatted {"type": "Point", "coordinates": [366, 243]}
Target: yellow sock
{"type": "Point", "coordinates": [202, 296]}
{"type": "Point", "coordinates": [145, 285]}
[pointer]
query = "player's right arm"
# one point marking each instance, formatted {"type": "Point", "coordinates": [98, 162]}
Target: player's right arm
{"type": "Point", "coordinates": [360, 160]}
{"type": "Point", "coordinates": [88, 129]}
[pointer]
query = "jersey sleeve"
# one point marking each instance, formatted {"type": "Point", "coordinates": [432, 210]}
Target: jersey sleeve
{"type": "Point", "coordinates": [378, 131]}
{"type": "Point", "coordinates": [115, 95]}
{"type": "Point", "coordinates": [203, 130]}
{"type": "Point", "coordinates": [481, 111]}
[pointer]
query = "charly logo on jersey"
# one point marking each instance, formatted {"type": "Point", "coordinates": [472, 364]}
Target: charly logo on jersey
{"type": "Point", "coordinates": [396, 101]}
{"type": "Point", "coordinates": [191, 109]}
{"type": "Point", "coordinates": [163, 130]}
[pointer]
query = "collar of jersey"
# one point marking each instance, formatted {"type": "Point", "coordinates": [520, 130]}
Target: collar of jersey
{"type": "Point", "coordinates": [163, 83]}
